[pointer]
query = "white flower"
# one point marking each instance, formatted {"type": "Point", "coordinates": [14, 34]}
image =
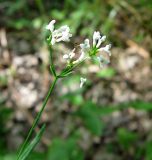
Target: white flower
{"type": "Point", "coordinates": [50, 26]}
{"type": "Point", "coordinates": [70, 55]}
{"type": "Point", "coordinates": [82, 56]}
{"type": "Point", "coordinates": [82, 81]}
{"type": "Point", "coordinates": [88, 51]}
{"type": "Point", "coordinates": [98, 39]}
{"type": "Point", "coordinates": [102, 61]}
{"type": "Point", "coordinates": [102, 39]}
{"type": "Point", "coordinates": [61, 34]}
{"type": "Point", "coordinates": [85, 46]}
{"type": "Point", "coordinates": [106, 49]}
{"type": "Point", "coordinates": [84, 49]}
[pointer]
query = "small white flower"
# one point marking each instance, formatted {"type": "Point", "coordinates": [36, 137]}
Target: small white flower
{"type": "Point", "coordinates": [84, 49]}
{"type": "Point", "coordinates": [82, 57]}
{"type": "Point", "coordinates": [82, 81]}
{"type": "Point", "coordinates": [50, 26]}
{"type": "Point", "coordinates": [70, 55]}
{"type": "Point", "coordinates": [102, 39]}
{"type": "Point", "coordinates": [85, 46]}
{"type": "Point", "coordinates": [106, 49]}
{"type": "Point", "coordinates": [102, 61]}
{"type": "Point", "coordinates": [98, 39]}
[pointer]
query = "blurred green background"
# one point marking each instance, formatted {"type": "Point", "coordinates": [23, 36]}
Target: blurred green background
{"type": "Point", "coordinates": [111, 117]}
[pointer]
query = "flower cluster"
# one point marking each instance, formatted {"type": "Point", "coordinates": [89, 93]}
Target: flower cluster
{"type": "Point", "coordinates": [87, 50]}
{"type": "Point", "coordinates": [95, 51]}
{"type": "Point", "coordinates": [57, 35]}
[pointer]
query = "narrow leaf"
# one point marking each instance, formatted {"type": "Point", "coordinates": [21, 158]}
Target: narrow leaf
{"type": "Point", "coordinates": [33, 143]}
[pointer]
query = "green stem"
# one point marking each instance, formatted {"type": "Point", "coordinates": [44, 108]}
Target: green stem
{"type": "Point", "coordinates": [67, 70]}
{"type": "Point", "coordinates": [37, 117]}
{"type": "Point", "coordinates": [52, 64]}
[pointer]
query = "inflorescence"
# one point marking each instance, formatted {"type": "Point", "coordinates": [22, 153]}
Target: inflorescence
{"type": "Point", "coordinates": [88, 50]}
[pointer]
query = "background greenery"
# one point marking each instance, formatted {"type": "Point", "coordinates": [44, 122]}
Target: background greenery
{"type": "Point", "coordinates": [122, 21]}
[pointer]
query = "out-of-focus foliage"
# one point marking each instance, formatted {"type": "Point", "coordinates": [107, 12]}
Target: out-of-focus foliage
{"type": "Point", "coordinates": [84, 16]}
{"type": "Point", "coordinates": [120, 20]}
{"type": "Point", "coordinates": [106, 73]}
{"type": "Point", "coordinates": [4, 116]}
{"type": "Point", "coordinates": [67, 149]}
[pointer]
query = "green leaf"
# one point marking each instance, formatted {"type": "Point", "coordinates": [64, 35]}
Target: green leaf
{"type": "Point", "coordinates": [75, 79]}
{"type": "Point", "coordinates": [148, 151]}
{"type": "Point", "coordinates": [8, 156]}
{"type": "Point", "coordinates": [100, 110]}
{"type": "Point", "coordinates": [74, 98]}
{"type": "Point", "coordinates": [91, 119]}
{"type": "Point", "coordinates": [58, 15]}
{"type": "Point", "coordinates": [91, 114]}
{"type": "Point", "coordinates": [142, 105]}
{"type": "Point", "coordinates": [106, 73]}
{"type": "Point", "coordinates": [126, 138]}
{"type": "Point", "coordinates": [138, 105]}
{"type": "Point", "coordinates": [20, 23]}
{"type": "Point", "coordinates": [31, 145]}
{"type": "Point", "coordinates": [65, 149]}
{"type": "Point", "coordinates": [37, 156]}
{"type": "Point", "coordinates": [58, 150]}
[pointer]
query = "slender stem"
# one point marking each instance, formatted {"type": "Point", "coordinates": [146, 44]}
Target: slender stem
{"type": "Point", "coordinates": [37, 117]}
{"type": "Point", "coordinates": [52, 67]}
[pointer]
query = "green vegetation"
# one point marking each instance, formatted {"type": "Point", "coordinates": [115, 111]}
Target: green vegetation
{"type": "Point", "coordinates": [107, 126]}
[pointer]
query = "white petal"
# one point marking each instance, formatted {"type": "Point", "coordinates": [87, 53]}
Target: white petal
{"type": "Point", "coordinates": [62, 34]}
{"type": "Point", "coordinates": [70, 55]}
{"type": "Point", "coordinates": [86, 45]}
{"type": "Point", "coordinates": [64, 28]}
{"type": "Point", "coordinates": [106, 49]}
{"type": "Point", "coordinates": [81, 58]}
{"type": "Point", "coordinates": [50, 26]}
{"type": "Point", "coordinates": [102, 39]}
{"type": "Point", "coordinates": [96, 37]}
